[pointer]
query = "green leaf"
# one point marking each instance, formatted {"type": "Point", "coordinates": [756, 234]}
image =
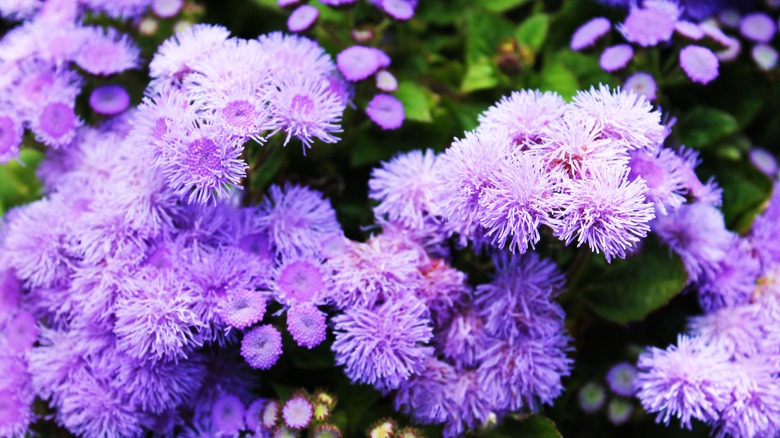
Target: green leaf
{"type": "Point", "coordinates": [533, 426]}
{"type": "Point", "coordinates": [484, 32]}
{"type": "Point", "coordinates": [704, 126]}
{"type": "Point", "coordinates": [18, 183]}
{"type": "Point", "coordinates": [631, 289]}
{"type": "Point", "coordinates": [417, 101]}
{"type": "Point", "coordinates": [556, 77]}
{"type": "Point", "coordinates": [480, 77]}
{"type": "Point", "coordinates": [745, 192]}
{"type": "Point", "coordinates": [533, 31]}
{"type": "Point", "coordinates": [502, 5]}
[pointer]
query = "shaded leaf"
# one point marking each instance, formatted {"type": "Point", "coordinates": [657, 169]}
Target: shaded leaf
{"type": "Point", "coordinates": [480, 77]}
{"type": "Point", "coordinates": [533, 31]}
{"type": "Point", "coordinates": [556, 77]}
{"type": "Point", "coordinates": [18, 183]}
{"type": "Point", "coordinates": [704, 126]}
{"type": "Point", "coordinates": [503, 5]}
{"type": "Point", "coordinates": [631, 289]}
{"type": "Point", "coordinates": [417, 101]}
{"type": "Point", "coordinates": [745, 191]}
{"type": "Point", "coordinates": [533, 426]}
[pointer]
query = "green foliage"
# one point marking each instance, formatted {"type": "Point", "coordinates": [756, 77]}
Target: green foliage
{"type": "Point", "coordinates": [18, 183]}
{"type": "Point", "coordinates": [532, 426]}
{"type": "Point", "coordinates": [703, 126]}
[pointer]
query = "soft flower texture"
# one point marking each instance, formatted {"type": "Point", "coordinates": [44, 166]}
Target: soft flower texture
{"type": "Point", "coordinates": [386, 111]}
{"type": "Point", "coordinates": [589, 33]}
{"type": "Point", "coordinates": [616, 57]}
{"type": "Point", "coordinates": [699, 63]}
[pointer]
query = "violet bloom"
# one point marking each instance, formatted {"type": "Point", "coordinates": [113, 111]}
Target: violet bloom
{"type": "Point", "coordinates": [621, 379]}
{"type": "Point", "coordinates": [404, 186]}
{"type": "Point", "coordinates": [386, 111]}
{"type": "Point", "coordinates": [642, 84]}
{"type": "Point", "coordinates": [176, 55]}
{"type": "Point", "coordinates": [297, 412]}
{"type": "Point", "coordinates": [763, 160]}
{"type": "Point", "coordinates": [109, 100]}
{"type": "Point", "coordinates": [522, 115]}
{"type": "Point", "coordinates": [733, 281]}
{"type": "Point", "coordinates": [698, 234]}
{"type": "Point", "coordinates": [240, 309]}
{"type": "Point", "coordinates": [302, 18]}
{"type": "Point", "coordinates": [262, 346]}
{"type": "Point", "coordinates": [616, 57]}
{"type": "Point", "coordinates": [11, 132]}
{"type": "Point", "coordinates": [758, 27]}
{"type": "Point", "coordinates": [167, 8]}
{"type": "Point", "coordinates": [699, 64]}
{"type": "Point", "coordinates": [661, 173]}
{"type": "Point", "coordinates": [307, 325]}
{"type": "Point", "coordinates": [383, 346]}
{"type": "Point", "coordinates": [590, 32]}
{"type": "Point", "coordinates": [765, 56]}
{"type": "Point", "coordinates": [606, 211]}
{"type": "Point", "coordinates": [302, 105]}
{"type": "Point", "coordinates": [386, 82]}
{"type": "Point", "coordinates": [647, 26]}
{"type": "Point", "coordinates": [228, 414]}
{"type": "Point", "coordinates": [737, 331]}
{"type": "Point", "coordinates": [359, 62]}
{"type": "Point", "coordinates": [689, 380]}
{"type": "Point", "coordinates": [55, 124]}
{"type": "Point", "coordinates": [401, 10]}
{"type": "Point", "coordinates": [106, 52]}
{"type": "Point", "coordinates": [298, 281]}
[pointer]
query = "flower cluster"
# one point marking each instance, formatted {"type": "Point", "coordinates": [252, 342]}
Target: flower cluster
{"type": "Point", "coordinates": [620, 379]}
{"type": "Point", "coordinates": [211, 93]}
{"type": "Point", "coordinates": [724, 372]}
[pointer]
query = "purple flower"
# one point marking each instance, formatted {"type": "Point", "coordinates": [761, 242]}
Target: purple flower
{"type": "Point", "coordinates": [240, 309]}
{"type": "Point", "coordinates": [399, 9]}
{"type": "Point", "coordinates": [303, 106]}
{"type": "Point", "coordinates": [228, 414]}
{"type": "Point", "coordinates": [616, 57]}
{"type": "Point", "coordinates": [11, 131]}
{"type": "Point", "coordinates": [699, 64]}
{"type": "Point", "coordinates": [621, 379]}
{"type": "Point", "coordinates": [302, 18]}
{"type": "Point", "coordinates": [606, 211]}
{"type": "Point", "coordinates": [590, 32]}
{"type": "Point", "coordinates": [15, 413]}
{"type": "Point", "coordinates": [359, 62]}
{"type": "Point", "coordinates": [202, 163]}
{"type": "Point", "coordinates": [733, 281]}
{"type": "Point", "coordinates": [175, 56]}
{"type": "Point", "coordinates": [765, 56]}
{"type": "Point", "coordinates": [737, 331]}
{"type": "Point", "coordinates": [754, 406]}
{"type": "Point", "coordinates": [378, 270]}
{"type": "Point", "coordinates": [383, 346]}
{"type": "Point", "coordinates": [298, 219]}
{"type": "Point", "coordinates": [297, 412]}
{"type": "Point", "coordinates": [253, 415]}
{"type": "Point", "coordinates": [109, 99]}
{"type": "Point", "coordinates": [763, 160]}
{"type": "Point", "coordinates": [386, 82]}
{"type": "Point", "coordinates": [105, 52]}
{"type": "Point", "coordinates": [689, 380]}
{"type": "Point", "coordinates": [625, 117]}
{"type": "Point", "coordinates": [591, 397]}
{"type": "Point", "coordinates": [523, 115]}
{"type": "Point", "coordinates": [167, 8]}
{"type": "Point", "coordinates": [661, 172]}
{"type": "Point", "coordinates": [386, 111]}
{"type": "Point", "coordinates": [647, 26]}
{"type": "Point", "coordinates": [262, 346]}
{"type": "Point", "coordinates": [292, 53]}
{"type": "Point", "coordinates": [404, 188]}
{"type": "Point", "coordinates": [689, 30]}
{"type": "Point", "coordinates": [642, 84]}
{"type": "Point", "coordinates": [55, 124]}
{"type": "Point", "coordinates": [520, 198]}
{"type": "Point", "coordinates": [306, 324]}
{"type": "Point", "coordinates": [697, 233]}
{"type": "Point", "coordinates": [463, 338]}
{"type": "Point", "coordinates": [758, 27]}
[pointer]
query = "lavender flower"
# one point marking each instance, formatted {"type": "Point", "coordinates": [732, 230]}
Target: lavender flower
{"type": "Point", "coordinates": [642, 84]}
{"type": "Point", "coordinates": [616, 57]}
{"type": "Point", "coordinates": [699, 64]}
{"type": "Point", "coordinates": [590, 32]}
{"type": "Point", "coordinates": [386, 111]}
{"type": "Point", "coordinates": [109, 100]}
{"type": "Point", "coordinates": [661, 172]}
{"type": "Point", "coordinates": [306, 324]}
{"type": "Point", "coordinates": [383, 346]}
{"type": "Point", "coordinates": [242, 308]}
{"type": "Point", "coordinates": [297, 412]}
{"type": "Point", "coordinates": [228, 414]}
{"type": "Point", "coordinates": [648, 26]}
{"type": "Point", "coordinates": [262, 346]}
{"type": "Point", "coordinates": [302, 18]}
{"type": "Point", "coordinates": [621, 379]}
{"type": "Point", "coordinates": [758, 27]}
{"type": "Point", "coordinates": [523, 115]}
{"type": "Point", "coordinates": [591, 397]}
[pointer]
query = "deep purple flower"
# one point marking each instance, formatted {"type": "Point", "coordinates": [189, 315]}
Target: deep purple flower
{"type": "Point", "coordinates": [21, 332]}
{"type": "Point", "coordinates": [699, 64]}
{"type": "Point", "coordinates": [590, 32]}
{"type": "Point", "coordinates": [262, 346]}
{"type": "Point", "coordinates": [661, 172]}
{"type": "Point", "coordinates": [297, 412]}
{"type": "Point", "coordinates": [399, 9]}
{"type": "Point", "coordinates": [228, 414]}
{"type": "Point", "coordinates": [109, 100]}
{"type": "Point", "coordinates": [386, 111]}
{"type": "Point", "coordinates": [306, 325]}
{"type": "Point", "coordinates": [383, 346]}
{"type": "Point", "coordinates": [616, 57]}
{"type": "Point", "coordinates": [106, 52]}
{"type": "Point", "coordinates": [404, 188]}
{"type": "Point", "coordinates": [689, 380]}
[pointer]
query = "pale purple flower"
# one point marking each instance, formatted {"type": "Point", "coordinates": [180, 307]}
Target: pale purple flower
{"type": "Point", "coordinates": [754, 408]}
{"type": "Point", "coordinates": [590, 32]}
{"type": "Point", "coordinates": [386, 111]}
{"type": "Point", "coordinates": [689, 30]}
{"type": "Point", "coordinates": [228, 414]}
{"type": "Point", "coordinates": [399, 9]}
{"type": "Point", "coordinates": [699, 64]}
{"type": "Point", "coordinates": [607, 211]}
{"type": "Point", "coordinates": [167, 8]}
{"type": "Point", "coordinates": [523, 115]}
{"type": "Point", "coordinates": [302, 18]}
{"type": "Point", "coordinates": [11, 131]}
{"type": "Point", "coordinates": [405, 187]}
{"type": "Point", "coordinates": [758, 27]}
{"type": "Point", "coordinates": [642, 84]}
{"type": "Point", "coordinates": [106, 52]}
{"type": "Point", "coordinates": [625, 117]}
{"type": "Point", "coordinates": [55, 124]}
{"type": "Point", "coordinates": [240, 309]}
{"type": "Point", "coordinates": [737, 331]}
{"type": "Point", "coordinates": [360, 62]}
{"type": "Point", "coordinates": [302, 105]}
{"type": "Point", "coordinates": [177, 54]}
{"type": "Point", "coordinates": [306, 324]}
{"type": "Point", "coordinates": [733, 281]}
{"type": "Point", "coordinates": [109, 99]}
{"type": "Point", "coordinates": [689, 380]}
{"type": "Point", "coordinates": [763, 160]}
{"type": "Point", "coordinates": [621, 379]}
{"type": "Point", "coordinates": [297, 412]}
{"type": "Point", "coordinates": [299, 280]}
{"type": "Point", "coordinates": [286, 54]}
{"type": "Point", "coordinates": [383, 346]}
{"type": "Point", "coordinates": [661, 172]}
{"type": "Point", "coordinates": [697, 233]}
{"type": "Point", "coordinates": [262, 346]}
{"type": "Point", "coordinates": [386, 82]}
{"type": "Point", "coordinates": [765, 56]}
{"type": "Point", "coordinates": [616, 57]}
{"type": "Point", "coordinates": [647, 26]}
